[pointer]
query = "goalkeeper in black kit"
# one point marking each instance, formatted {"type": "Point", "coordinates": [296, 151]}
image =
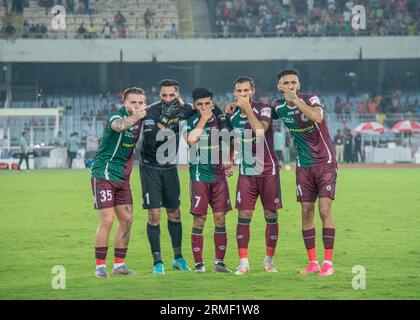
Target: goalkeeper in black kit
{"type": "Point", "coordinates": [159, 172]}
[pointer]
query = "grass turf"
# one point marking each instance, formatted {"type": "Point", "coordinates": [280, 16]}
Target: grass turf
{"type": "Point", "coordinates": [47, 219]}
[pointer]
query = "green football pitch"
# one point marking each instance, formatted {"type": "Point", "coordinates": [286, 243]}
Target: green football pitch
{"type": "Point", "coordinates": [47, 219]}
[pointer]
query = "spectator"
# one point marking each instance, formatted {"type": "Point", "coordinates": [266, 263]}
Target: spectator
{"type": "Point", "coordinates": [25, 30]}
{"type": "Point", "coordinates": [74, 144]}
{"type": "Point", "coordinates": [372, 106]}
{"type": "Point", "coordinates": [43, 31]}
{"type": "Point", "coordinates": [92, 32]}
{"type": "Point", "coordinates": [81, 31]}
{"type": "Point", "coordinates": [24, 150]}
{"type": "Point", "coordinates": [348, 147]}
{"type": "Point", "coordinates": [34, 31]}
{"type": "Point", "coordinates": [339, 146]}
{"type": "Point", "coordinates": [358, 140]}
{"type": "Point", "coordinates": [362, 107]}
{"type": "Point", "coordinates": [10, 32]}
{"type": "Point", "coordinates": [380, 117]}
{"type": "Point", "coordinates": [107, 30]}
{"type": "Point", "coordinates": [59, 141]}
{"type": "Point", "coordinates": [119, 20]}
{"type": "Point", "coordinates": [174, 31]}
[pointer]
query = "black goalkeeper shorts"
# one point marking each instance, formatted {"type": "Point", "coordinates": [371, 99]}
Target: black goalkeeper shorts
{"type": "Point", "coordinates": [160, 187]}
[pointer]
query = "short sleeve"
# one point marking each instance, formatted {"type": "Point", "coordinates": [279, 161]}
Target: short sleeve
{"type": "Point", "coordinates": [314, 101]}
{"type": "Point", "coordinates": [112, 118]}
{"type": "Point", "coordinates": [265, 113]}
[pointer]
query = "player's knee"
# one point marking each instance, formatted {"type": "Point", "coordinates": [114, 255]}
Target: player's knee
{"type": "Point", "coordinates": [154, 217]}
{"type": "Point", "coordinates": [199, 222]}
{"type": "Point", "coordinates": [245, 214]}
{"type": "Point", "coordinates": [270, 214]}
{"type": "Point", "coordinates": [106, 223]}
{"type": "Point", "coordinates": [325, 213]}
{"type": "Point", "coordinates": [219, 220]}
{"type": "Point", "coordinates": [174, 215]}
{"type": "Point", "coordinates": [307, 213]}
{"type": "Point", "coordinates": [128, 221]}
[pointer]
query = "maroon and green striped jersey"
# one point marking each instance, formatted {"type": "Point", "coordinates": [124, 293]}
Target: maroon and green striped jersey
{"type": "Point", "coordinates": [312, 140]}
{"type": "Point", "coordinates": [266, 163]}
{"type": "Point", "coordinates": [115, 156]}
{"type": "Point", "coordinates": [206, 164]}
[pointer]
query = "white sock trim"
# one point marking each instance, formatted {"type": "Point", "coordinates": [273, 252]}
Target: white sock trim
{"type": "Point", "coordinates": [117, 265]}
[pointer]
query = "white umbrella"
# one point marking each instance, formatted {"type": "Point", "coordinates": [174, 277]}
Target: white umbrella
{"type": "Point", "coordinates": [370, 128]}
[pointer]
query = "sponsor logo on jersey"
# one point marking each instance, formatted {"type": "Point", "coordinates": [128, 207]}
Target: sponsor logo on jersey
{"type": "Point", "coordinates": [288, 120]}
{"type": "Point", "coordinates": [314, 100]}
{"type": "Point", "coordinates": [310, 128]}
{"type": "Point", "coordinates": [149, 122]}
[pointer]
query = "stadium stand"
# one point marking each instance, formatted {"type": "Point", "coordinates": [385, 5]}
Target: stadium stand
{"type": "Point", "coordinates": [231, 18]}
{"type": "Point", "coordinates": [99, 19]}
{"type": "Point", "coordinates": [258, 18]}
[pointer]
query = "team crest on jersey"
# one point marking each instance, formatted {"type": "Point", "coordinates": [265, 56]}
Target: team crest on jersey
{"type": "Point", "coordinates": [304, 118]}
{"type": "Point", "coordinates": [266, 112]}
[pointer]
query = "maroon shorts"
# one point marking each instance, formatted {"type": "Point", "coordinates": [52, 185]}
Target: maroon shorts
{"type": "Point", "coordinates": [316, 182]}
{"type": "Point", "coordinates": [204, 193]}
{"type": "Point", "coordinates": [108, 194]}
{"type": "Point", "coordinates": [250, 187]}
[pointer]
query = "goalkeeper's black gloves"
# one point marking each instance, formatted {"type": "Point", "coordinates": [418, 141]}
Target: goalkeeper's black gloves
{"type": "Point", "coordinates": [169, 112]}
{"type": "Point", "coordinates": [221, 117]}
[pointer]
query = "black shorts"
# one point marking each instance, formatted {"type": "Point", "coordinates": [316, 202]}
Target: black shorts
{"type": "Point", "coordinates": [160, 187]}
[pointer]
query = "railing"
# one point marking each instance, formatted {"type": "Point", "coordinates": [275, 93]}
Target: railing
{"type": "Point", "coordinates": [165, 34]}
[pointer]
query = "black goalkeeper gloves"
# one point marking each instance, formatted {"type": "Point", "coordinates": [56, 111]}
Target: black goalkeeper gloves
{"type": "Point", "coordinates": [221, 117]}
{"type": "Point", "coordinates": [169, 112]}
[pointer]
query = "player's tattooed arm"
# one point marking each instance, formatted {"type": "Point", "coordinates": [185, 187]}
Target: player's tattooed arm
{"type": "Point", "coordinates": [123, 124]}
{"type": "Point", "coordinates": [127, 230]}
{"type": "Point", "coordinates": [313, 113]}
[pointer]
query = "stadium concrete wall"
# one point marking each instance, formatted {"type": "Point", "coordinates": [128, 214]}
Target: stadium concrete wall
{"type": "Point", "coordinates": [177, 50]}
